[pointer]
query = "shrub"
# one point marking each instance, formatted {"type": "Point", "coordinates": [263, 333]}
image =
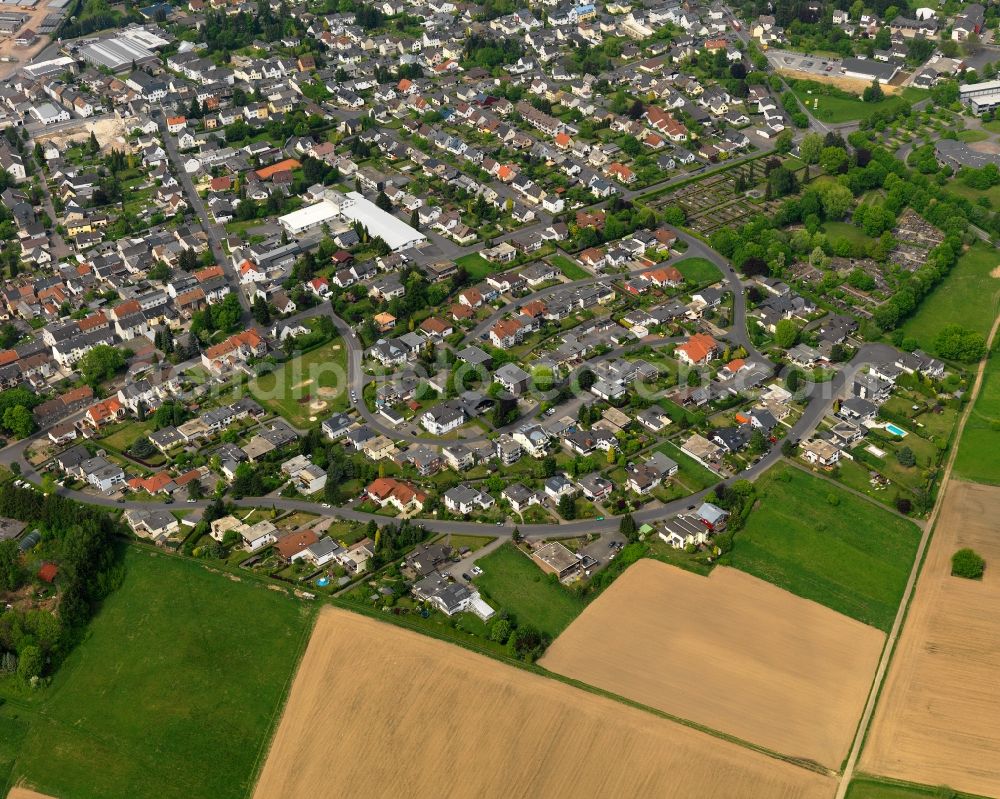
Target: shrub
{"type": "Point", "coordinates": [968, 564]}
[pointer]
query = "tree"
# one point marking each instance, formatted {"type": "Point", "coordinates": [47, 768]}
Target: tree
{"type": "Point", "coordinates": [789, 448]}
{"type": "Point", "coordinates": [811, 147]}
{"type": "Point", "coordinates": [833, 159]}
{"type": "Point", "coordinates": [628, 528]}
{"type": "Point", "coordinates": [18, 421]}
{"type": "Point", "coordinates": [567, 507]}
{"type": "Point", "coordinates": [500, 631]}
{"type": "Point", "coordinates": [415, 219]}
{"type": "Point", "coordinates": [194, 489]}
{"type": "Point", "coordinates": [382, 201]}
{"type": "Point", "coordinates": [786, 334]}
{"type": "Point", "coordinates": [100, 363]}
{"type": "Point", "coordinates": [30, 662]}
{"type": "Point", "coordinates": [906, 457]}
{"type": "Point", "coordinates": [874, 93]}
{"type": "Point", "coordinates": [261, 311]}
{"type": "Point", "coordinates": [793, 380]}
{"type": "Point", "coordinates": [956, 343]}
{"type": "Point", "coordinates": [11, 573]}
{"type": "Point", "coordinates": [967, 563]}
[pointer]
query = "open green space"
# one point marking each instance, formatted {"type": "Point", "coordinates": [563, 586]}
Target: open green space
{"type": "Point", "coordinates": [869, 788]}
{"type": "Point", "coordinates": [477, 266]}
{"type": "Point", "coordinates": [174, 692]}
{"type": "Point", "coordinates": [836, 109]}
{"type": "Point", "coordinates": [123, 436]}
{"type": "Point", "coordinates": [570, 268]}
{"type": "Point", "coordinates": [977, 458]}
{"type": "Point", "coordinates": [993, 126]}
{"type": "Point", "coordinates": [698, 270]}
{"type": "Point", "coordinates": [972, 135]}
{"type": "Point", "coordinates": [992, 194]}
{"type": "Point", "coordinates": [319, 376]}
{"type": "Point", "coordinates": [512, 582]}
{"type": "Point", "coordinates": [967, 296]}
{"type": "Point", "coordinates": [845, 230]}
{"type": "Point", "coordinates": [812, 538]}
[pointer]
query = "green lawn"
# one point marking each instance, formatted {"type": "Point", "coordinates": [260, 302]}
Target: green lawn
{"type": "Point", "coordinates": [977, 451]}
{"type": "Point", "coordinates": [869, 788]}
{"type": "Point", "coordinates": [122, 436]}
{"type": "Point", "coordinates": [477, 266]}
{"type": "Point", "coordinates": [814, 539]}
{"type": "Point", "coordinates": [698, 270]}
{"type": "Point", "coordinates": [174, 692]}
{"type": "Point", "coordinates": [974, 195]}
{"type": "Point", "coordinates": [511, 581]}
{"type": "Point", "coordinates": [993, 126]}
{"type": "Point", "coordinates": [317, 376]}
{"type": "Point", "coordinates": [845, 230]}
{"type": "Point", "coordinates": [570, 268]}
{"type": "Point", "coordinates": [972, 135]}
{"type": "Point", "coordinates": [967, 296]}
{"type": "Point", "coordinates": [842, 109]}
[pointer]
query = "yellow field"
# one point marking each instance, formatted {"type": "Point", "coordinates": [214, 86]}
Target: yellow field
{"type": "Point", "coordinates": [730, 652]}
{"type": "Point", "coordinates": [26, 793]}
{"type": "Point", "coordinates": [380, 711]}
{"type": "Point", "coordinates": [937, 720]}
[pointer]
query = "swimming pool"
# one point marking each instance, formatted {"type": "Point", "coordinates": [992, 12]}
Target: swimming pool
{"type": "Point", "coordinates": [323, 581]}
{"type": "Point", "coordinates": [896, 431]}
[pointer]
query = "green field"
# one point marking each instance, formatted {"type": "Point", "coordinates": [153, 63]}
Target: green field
{"type": "Point", "coordinates": [173, 693]}
{"type": "Point", "coordinates": [569, 267]}
{"type": "Point", "coordinates": [291, 388]}
{"type": "Point", "coordinates": [972, 135]}
{"type": "Point", "coordinates": [698, 270]}
{"type": "Point", "coordinates": [845, 230]}
{"type": "Point", "coordinates": [967, 296]}
{"type": "Point", "coordinates": [977, 458]}
{"type": "Point", "coordinates": [841, 109]}
{"type": "Point", "coordinates": [814, 539]}
{"type": "Point", "coordinates": [511, 581]}
{"type": "Point", "coordinates": [868, 788]}
{"type": "Point", "coordinates": [477, 266]}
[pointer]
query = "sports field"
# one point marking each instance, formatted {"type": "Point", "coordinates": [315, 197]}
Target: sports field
{"type": "Point", "coordinates": [977, 459]}
{"type": "Point", "coordinates": [727, 651]}
{"type": "Point", "coordinates": [811, 537]}
{"type": "Point", "coordinates": [828, 108]}
{"type": "Point", "coordinates": [381, 711]}
{"type": "Point", "coordinates": [173, 694]}
{"type": "Point", "coordinates": [969, 295]}
{"type": "Point", "coordinates": [308, 388]}
{"type": "Point", "coordinates": [514, 583]}
{"type": "Point", "coordinates": [936, 721]}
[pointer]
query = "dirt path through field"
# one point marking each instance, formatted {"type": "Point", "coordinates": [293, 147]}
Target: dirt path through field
{"type": "Point", "coordinates": [888, 653]}
{"type": "Point", "coordinates": [377, 710]}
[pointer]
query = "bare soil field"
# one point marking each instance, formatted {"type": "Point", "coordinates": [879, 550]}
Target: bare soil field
{"type": "Point", "coordinates": [854, 85]}
{"type": "Point", "coordinates": [937, 719]}
{"type": "Point", "coordinates": [27, 793]}
{"type": "Point", "coordinates": [730, 652]}
{"type": "Point", "coordinates": [23, 54]}
{"type": "Point", "coordinates": [109, 131]}
{"type": "Point", "coordinates": [376, 710]}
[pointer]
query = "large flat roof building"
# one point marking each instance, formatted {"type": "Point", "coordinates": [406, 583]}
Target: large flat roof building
{"type": "Point", "coordinates": [981, 97]}
{"type": "Point", "coordinates": [869, 69]}
{"type": "Point", "coordinates": [353, 207]}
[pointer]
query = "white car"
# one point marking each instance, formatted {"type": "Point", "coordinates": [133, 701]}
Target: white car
{"type": "Point", "coordinates": [326, 504]}
{"type": "Point", "coordinates": [476, 571]}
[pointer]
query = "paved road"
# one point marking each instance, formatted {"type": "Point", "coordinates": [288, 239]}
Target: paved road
{"type": "Point", "coordinates": [820, 399]}
{"type": "Point", "coordinates": [211, 228]}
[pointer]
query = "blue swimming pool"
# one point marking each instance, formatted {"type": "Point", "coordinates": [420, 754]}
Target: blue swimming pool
{"type": "Point", "coordinates": [896, 431]}
{"type": "Point", "coordinates": [322, 581]}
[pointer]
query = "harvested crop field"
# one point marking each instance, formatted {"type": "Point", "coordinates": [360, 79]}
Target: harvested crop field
{"type": "Point", "coordinates": [936, 721]}
{"type": "Point", "coordinates": [26, 793]}
{"type": "Point", "coordinates": [380, 711]}
{"type": "Point", "coordinates": [729, 652]}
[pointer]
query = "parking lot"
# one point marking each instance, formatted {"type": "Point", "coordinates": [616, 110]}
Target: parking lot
{"type": "Point", "coordinates": [821, 66]}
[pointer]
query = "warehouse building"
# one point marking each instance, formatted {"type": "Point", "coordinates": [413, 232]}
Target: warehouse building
{"type": "Point", "coordinates": [868, 69]}
{"type": "Point", "coordinates": [351, 208]}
